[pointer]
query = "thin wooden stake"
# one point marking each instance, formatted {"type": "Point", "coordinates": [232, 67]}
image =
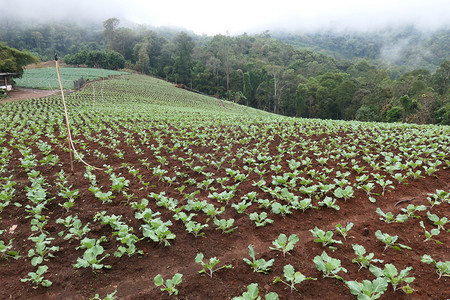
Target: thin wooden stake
{"type": "Point", "coordinates": [69, 134]}
{"type": "Point", "coordinates": [69, 138]}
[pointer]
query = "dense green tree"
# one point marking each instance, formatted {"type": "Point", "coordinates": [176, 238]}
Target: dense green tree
{"type": "Point", "coordinates": [264, 72]}
{"type": "Point", "coordinates": [98, 59]}
{"type": "Point", "coordinates": [184, 47]}
{"type": "Point", "coordinates": [394, 114]}
{"type": "Point", "coordinates": [110, 27]}
{"type": "Point", "coordinates": [441, 79]}
{"type": "Point", "coordinates": [409, 106]}
{"type": "Point", "coordinates": [13, 60]}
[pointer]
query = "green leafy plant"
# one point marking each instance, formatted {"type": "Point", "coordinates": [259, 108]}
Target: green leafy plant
{"type": "Point", "coordinates": [292, 278]}
{"type": "Point", "coordinates": [125, 236]}
{"type": "Point", "coordinates": [119, 183]}
{"type": "Point", "coordinates": [169, 285]}
{"type": "Point", "coordinates": [6, 250]}
{"type": "Point", "coordinates": [363, 260]}
{"type": "Point", "coordinates": [74, 227]}
{"type": "Point", "coordinates": [90, 257]}
{"type": "Point", "coordinates": [195, 228]}
{"type": "Point", "coordinates": [368, 289]}
{"type": "Point", "coordinates": [390, 241]}
{"type": "Point", "coordinates": [258, 265]}
{"type": "Point", "coordinates": [37, 278]}
{"type": "Point", "coordinates": [430, 234]}
{"type": "Point", "coordinates": [104, 197]}
{"type": "Point", "coordinates": [344, 230]}
{"type": "Point", "coordinates": [384, 184]}
{"type": "Point", "coordinates": [326, 238]}
{"type": "Point", "coordinates": [147, 215]}
{"type": "Point", "coordinates": [329, 266]}
{"type": "Point", "coordinates": [241, 206]}
{"type": "Point", "coordinates": [41, 251]}
{"type": "Point", "coordinates": [158, 231]}
{"type": "Point", "coordinates": [442, 267]}
{"type": "Point", "coordinates": [111, 296]}
{"type": "Point", "coordinates": [411, 209]}
{"type": "Point", "coordinates": [392, 275]}
{"type": "Point", "coordinates": [225, 225]}
{"type": "Point", "coordinates": [346, 193]}
{"type": "Point", "coordinates": [285, 244]}
{"type": "Point", "coordinates": [389, 217]}
{"type": "Point", "coordinates": [209, 268]}
{"type": "Point", "coordinates": [439, 222]}
{"type": "Point", "coordinates": [252, 293]}
{"type": "Point", "coordinates": [261, 219]}
{"type": "Point", "coordinates": [330, 203]}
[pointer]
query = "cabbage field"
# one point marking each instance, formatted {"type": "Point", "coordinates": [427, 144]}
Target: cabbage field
{"type": "Point", "coordinates": [46, 78]}
{"type": "Point", "coordinates": [185, 198]}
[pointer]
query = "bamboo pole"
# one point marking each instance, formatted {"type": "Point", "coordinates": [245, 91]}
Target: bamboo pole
{"type": "Point", "coordinates": [66, 116]}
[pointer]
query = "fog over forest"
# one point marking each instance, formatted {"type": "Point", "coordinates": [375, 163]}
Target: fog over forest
{"type": "Point", "coordinates": [237, 17]}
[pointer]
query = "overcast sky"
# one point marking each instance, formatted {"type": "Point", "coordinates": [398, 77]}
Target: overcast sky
{"type": "Point", "coordinates": [238, 16]}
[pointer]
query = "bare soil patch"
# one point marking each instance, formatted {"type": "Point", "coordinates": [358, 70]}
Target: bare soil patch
{"type": "Point", "coordinates": [19, 93]}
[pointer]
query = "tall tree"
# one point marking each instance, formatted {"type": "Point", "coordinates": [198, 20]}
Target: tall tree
{"type": "Point", "coordinates": [13, 60]}
{"type": "Point", "coordinates": [110, 27]}
{"type": "Point", "coordinates": [441, 79]}
{"type": "Point", "coordinates": [184, 46]}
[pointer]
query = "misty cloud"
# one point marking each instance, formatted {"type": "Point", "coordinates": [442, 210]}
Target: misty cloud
{"type": "Point", "coordinates": [237, 16]}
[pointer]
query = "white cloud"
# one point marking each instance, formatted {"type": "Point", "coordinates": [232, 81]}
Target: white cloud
{"type": "Point", "coordinates": [238, 16]}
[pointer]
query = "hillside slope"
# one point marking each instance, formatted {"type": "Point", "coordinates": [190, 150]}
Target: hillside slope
{"type": "Point", "coordinates": [134, 92]}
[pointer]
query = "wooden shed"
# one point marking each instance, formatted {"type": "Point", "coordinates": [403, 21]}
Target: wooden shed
{"type": "Point", "coordinates": [6, 81]}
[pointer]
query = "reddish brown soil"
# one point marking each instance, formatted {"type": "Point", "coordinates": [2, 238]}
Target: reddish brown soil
{"type": "Point", "coordinates": [24, 93]}
{"type": "Point", "coordinates": [132, 277]}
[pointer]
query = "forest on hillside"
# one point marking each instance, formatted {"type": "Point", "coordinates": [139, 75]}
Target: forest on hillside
{"type": "Point", "coordinates": [392, 76]}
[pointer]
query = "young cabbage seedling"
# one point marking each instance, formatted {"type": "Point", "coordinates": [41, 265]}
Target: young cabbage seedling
{"type": "Point", "coordinates": [390, 241]}
{"type": "Point", "coordinates": [326, 238]}
{"type": "Point", "coordinates": [344, 230]}
{"type": "Point", "coordinates": [346, 193]}
{"type": "Point", "coordinates": [6, 250]}
{"type": "Point", "coordinates": [329, 266]}
{"type": "Point", "coordinates": [442, 267]}
{"type": "Point", "coordinates": [241, 206]}
{"type": "Point", "coordinates": [429, 234]}
{"type": "Point", "coordinates": [368, 289]}
{"type": "Point", "coordinates": [252, 293]}
{"type": "Point", "coordinates": [260, 265]}
{"type": "Point", "coordinates": [208, 268]}
{"type": "Point", "coordinates": [389, 217]}
{"type": "Point", "coordinates": [170, 284]}
{"type": "Point", "coordinates": [36, 278]}
{"type": "Point", "coordinates": [158, 231]}
{"type": "Point", "coordinates": [439, 222]}
{"type": "Point", "coordinates": [41, 251]}
{"type": "Point", "coordinates": [392, 275]}
{"type": "Point", "coordinates": [261, 220]}
{"type": "Point", "coordinates": [361, 260]}
{"type": "Point", "coordinates": [93, 249]}
{"type": "Point", "coordinates": [292, 277]}
{"type": "Point", "coordinates": [411, 209]}
{"type": "Point", "coordinates": [225, 225]}
{"type": "Point", "coordinates": [330, 203]}
{"type": "Point", "coordinates": [280, 209]}
{"type": "Point", "coordinates": [283, 244]}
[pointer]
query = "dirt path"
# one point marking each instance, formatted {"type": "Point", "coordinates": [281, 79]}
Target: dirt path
{"type": "Point", "coordinates": [25, 93]}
